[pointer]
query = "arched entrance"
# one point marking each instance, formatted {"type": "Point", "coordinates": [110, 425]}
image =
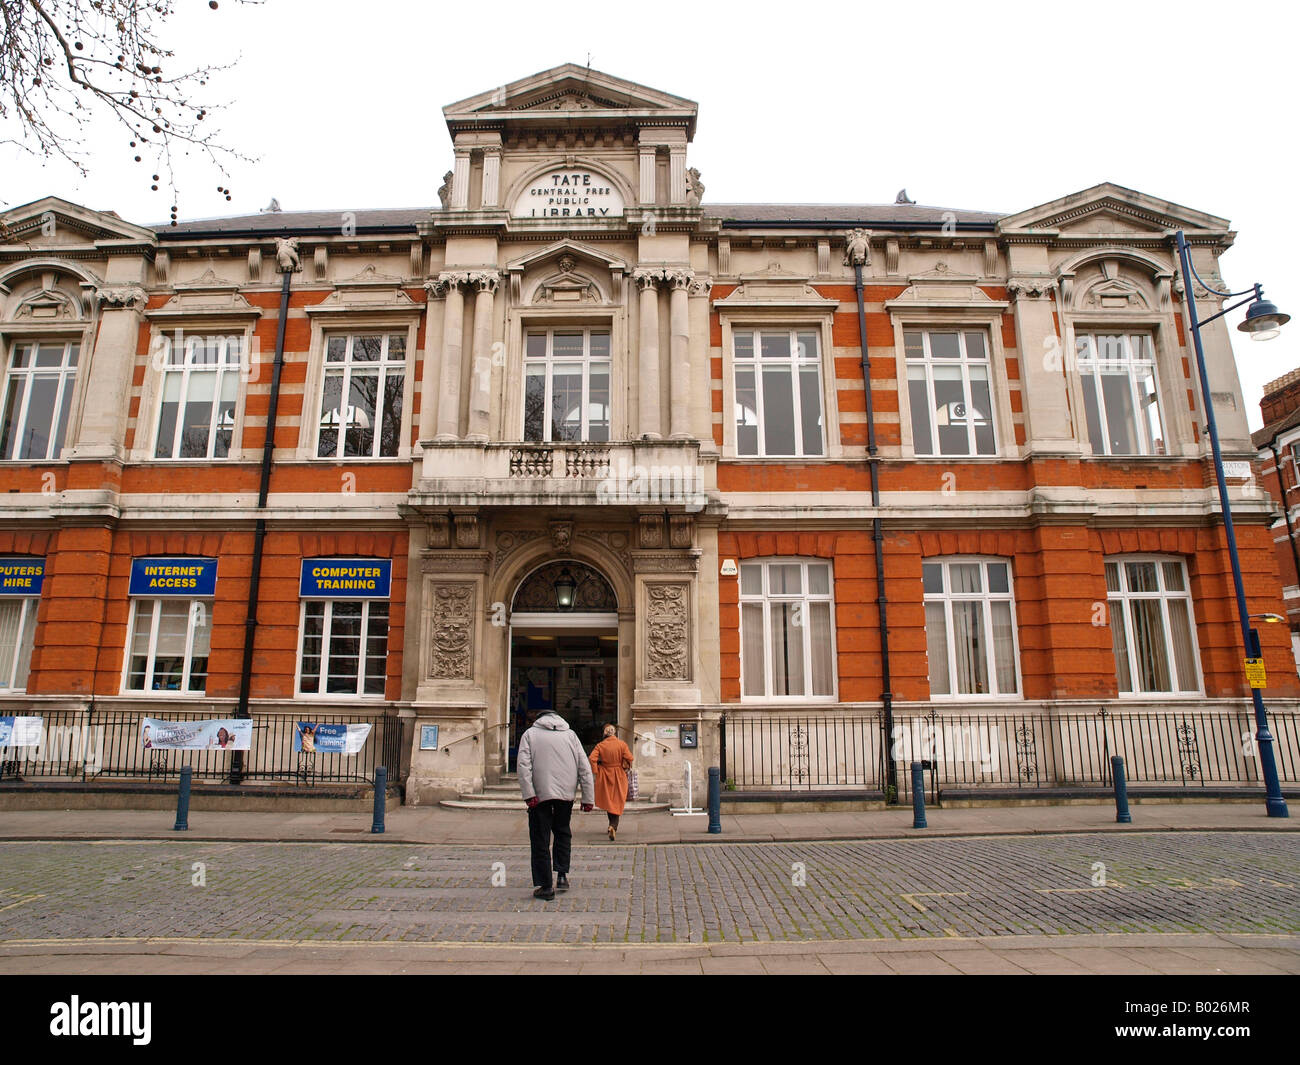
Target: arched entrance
{"type": "Point", "coordinates": [563, 651]}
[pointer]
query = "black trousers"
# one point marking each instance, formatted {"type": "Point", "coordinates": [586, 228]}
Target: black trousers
{"type": "Point", "coordinates": [548, 818]}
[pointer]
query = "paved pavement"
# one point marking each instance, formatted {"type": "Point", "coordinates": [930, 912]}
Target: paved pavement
{"type": "Point", "coordinates": [1200, 888]}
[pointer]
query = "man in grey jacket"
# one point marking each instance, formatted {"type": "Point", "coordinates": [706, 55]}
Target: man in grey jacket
{"type": "Point", "coordinates": [551, 764]}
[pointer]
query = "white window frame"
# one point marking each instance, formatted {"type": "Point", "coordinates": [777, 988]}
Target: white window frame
{"type": "Point", "coordinates": [187, 370]}
{"type": "Point", "coordinates": [805, 597]}
{"type": "Point", "coordinates": [1163, 595]}
{"type": "Point", "coordinates": [549, 360]}
{"type": "Point", "coordinates": [986, 598]}
{"type": "Point", "coordinates": [386, 368]}
{"type": "Point", "coordinates": [65, 394]}
{"type": "Point", "coordinates": [326, 634]}
{"type": "Point", "coordinates": [1091, 365]}
{"type": "Point", "coordinates": [26, 625]}
{"type": "Point", "coordinates": [155, 606]}
{"type": "Point", "coordinates": [928, 363]}
{"type": "Point", "coordinates": [794, 363]}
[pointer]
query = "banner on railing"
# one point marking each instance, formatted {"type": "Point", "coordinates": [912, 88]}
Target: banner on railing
{"type": "Point", "coordinates": [21, 731]}
{"type": "Point", "coordinates": [225, 734]}
{"type": "Point", "coordinates": [310, 737]}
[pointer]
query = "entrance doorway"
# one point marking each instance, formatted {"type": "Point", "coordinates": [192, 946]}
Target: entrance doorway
{"type": "Point", "coordinates": [574, 674]}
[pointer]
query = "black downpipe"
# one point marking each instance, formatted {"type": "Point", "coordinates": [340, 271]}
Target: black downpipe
{"type": "Point", "coordinates": [1286, 506]}
{"type": "Point", "coordinates": [877, 534]}
{"type": "Point", "coordinates": [259, 534]}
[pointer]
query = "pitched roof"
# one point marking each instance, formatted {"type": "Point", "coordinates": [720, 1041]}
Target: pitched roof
{"type": "Point", "coordinates": [400, 218]}
{"type": "Point", "coordinates": [1261, 437]}
{"type": "Point", "coordinates": [843, 214]}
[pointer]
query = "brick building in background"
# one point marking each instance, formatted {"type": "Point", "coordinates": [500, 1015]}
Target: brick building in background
{"type": "Point", "coordinates": [1279, 459]}
{"type": "Point", "coordinates": [581, 438]}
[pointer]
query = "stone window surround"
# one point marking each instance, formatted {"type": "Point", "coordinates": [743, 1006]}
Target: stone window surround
{"type": "Point", "coordinates": [522, 319]}
{"type": "Point", "coordinates": [780, 317]}
{"type": "Point", "coordinates": [355, 323]}
{"type": "Point", "coordinates": [82, 331]}
{"type": "Point", "coordinates": [149, 412]}
{"type": "Point", "coordinates": [966, 319]}
{"type": "Point", "coordinates": [1175, 414]}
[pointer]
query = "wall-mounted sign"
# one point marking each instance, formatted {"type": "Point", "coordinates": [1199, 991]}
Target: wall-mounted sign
{"type": "Point", "coordinates": [728, 567]}
{"type": "Point", "coordinates": [21, 576]}
{"type": "Point", "coordinates": [428, 737]}
{"type": "Point", "coordinates": [1239, 470]}
{"type": "Point", "coordinates": [569, 192]}
{"type": "Point", "coordinates": [345, 578]}
{"type": "Point", "coordinates": [192, 577]}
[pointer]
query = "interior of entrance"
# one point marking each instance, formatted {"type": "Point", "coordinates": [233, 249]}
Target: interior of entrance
{"type": "Point", "coordinates": [576, 675]}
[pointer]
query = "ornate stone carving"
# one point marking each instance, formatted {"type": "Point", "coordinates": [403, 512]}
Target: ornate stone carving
{"type": "Point", "coordinates": [561, 535]}
{"type": "Point", "coordinates": [679, 279]}
{"type": "Point", "coordinates": [667, 629]}
{"type": "Point", "coordinates": [320, 261]}
{"type": "Point", "coordinates": [1034, 288]}
{"type": "Point", "coordinates": [702, 286]}
{"type": "Point", "coordinates": [681, 530]}
{"type": "Point", "coordinates": [451, 641]}
{"type": "Point", "coordinates": [567, 263]}
{"type": "Point", "coordinates": [990, 258]}
{"type": "Point", "coordinates": [254, 264]}
{"type": "Point", "coordinates": [891, 256]}
{"type": "Point", "coordinates": [486, 280]}
{"type": "Point", "coordinates": [857, 248]}
{"type": "Point", "coordinates": [287, 259]}
{"type": "Point", "coordinates": [467, 530]}
{"type": "Point", "coordinates": [591, 594]}
{"type": "Point", "coordinates": [615, 541]}
{"type": "Point", "coordinates": [648, 279]}
{"type": "Point", "coordinates": [694, 188]}
{"type": "Point", "coordinates": [127, 297]}
{"type": "Point", "coordinates": [512, 540]}
{"type": "Point", "coordinates": [652, 530]}
{"type": "Point", "coordinates": [439, 535]}
{"type": "Point", "coordinates": [444, 190]}
{"type": "Point", "coordinates": [435, 288]}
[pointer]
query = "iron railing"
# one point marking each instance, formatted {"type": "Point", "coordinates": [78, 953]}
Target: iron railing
{"type": "Point", "coordinates": [1164, 749]}
{"type": "Point", "coordinates": [94, 744]}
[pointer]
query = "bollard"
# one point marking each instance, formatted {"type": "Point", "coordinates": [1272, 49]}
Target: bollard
{"type": "Point", "coordinates": [381, 798]}
{"type": "Point", "coordinates": [1122, 816]}
{"type": "Point", "coordinates": [918, 796]}
{"type": "Point", "coordinates": [183, 801]}
{"type": "Point", "coordinates": [715, 800]}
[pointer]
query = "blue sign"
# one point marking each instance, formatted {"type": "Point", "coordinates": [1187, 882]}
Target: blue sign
{"type": "Point", "coordinates": [346, 578]}
{"type": "Point", "coordinates": [194, 578]}
{"type": "Point", "coordinates": [310, 737]}
{"type": "Point", "coordinates": [21, 576]}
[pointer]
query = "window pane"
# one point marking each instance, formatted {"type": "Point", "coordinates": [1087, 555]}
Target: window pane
{"type": "Point", "coordinates": [913, 346]}
{"type": "Point", "coordinates": [367, 349]}
{"type": "Point", "coordinates": [1150, 646]}
{"type": "Point", "coordinates": [331, 418]}
{"type": "Point", "coordinates": [951, 415]}
{"type": "Point", "coordinates": [535, 403]}
{"type": "Point", "coordinates": [198, 415]}
{"type": "Point", "coordinates": [313, 632]}
{"type": "Point", "coordinates": [363, 389]}
{"type": "Point", "coordinates": [171, 395]}
{"type": "Point", "coordinates": [787, 649]}
{"type": "Point", "coordinates": [139, 649]}
{"type": "Point", "coordinates": [566, 400]}
{"type": "Point", "coordinates": [997, 573]}
{"type": "Point", "coordinates": [778, 411]}
{"type": "Point", "coordinates": [598, 346]}
{"type": "Point", "coordinates": [743, 345]}
{"type": "Point", "coordinates": [945, 346]}
{"type": "Point", "coordinates": [397, 348]}
{"type": "Point", "coordinates": [746, 413]}
{"type": "Point", "coordinates": [919, 404]}
{"type": "Point", "coordinates": [810, 402]}
{"type": "Point", "coordinates": [1118, 394]}
{"type": "Point", "coordinates": [40, 417]}
{"type": "Point", "coordinates": [965, 577]}
{"type": "Point", "coordinates": [1112, 577]}
{"type": "Point", "coordinates": [1093, 413]}
{"type": "Point", "coordinates": [981, 411]}
{"type": "Point", "coordinates": [932, 577]}
{"type": "Point", "coordinates": [1149, 403]}
{"type": "Point", "coordinates": [1141, 576]}
{"type": "Point", "coordinates": [598, 403]}
{"type": "Point", "coordinates": [201, 622]}
{"type": "Point", "coordinates": [337, 349]}
{"type": "Point", "coordinates": [1173, 575]}
{"type": "Point", "coordinates": [1181, 636]}
{"type": "Point", "coordinates": [24, 663]}
{"type": "Point", "coordinates": [751, 636]}
{"type": "Point", "coordinates": [11, 617]}
{"type": "Point", "coordinates": [535, 348]}
{"type": "Point", "coordinates": [391, 433]}
{"type": "Point", "coordinates": [376, 649]}
{"type": "Point", "coordinates": [971, 648]}
{"type": "Point", "coordinates": [1004, 655]}
{"type": "Point", "coordinates": [936, 647]}
{"type": "Point", "coordinates": [785, 579]}
{"type": "Point", "coordinates": [9, 443]}
{"type": "Point", "coordinates": [751, 580]}
{"type": "Point", "coordinates": [567, 346]}
{"type": "Point", "coordinates": [343, 670]}
{"type": "Point", "coordinates": [169, 653]}
{"type": "Point", "coordinates": [819, 580]}
{"type": "Point", "coordinates": [823, 677]}
{"type": "Point", "coordinates": [225, 431]}
{"type": "Point", "coordinates": [775, 345]}
{"type": "Point", "coordinates": [49, 355]}
{"type": "Point", "coordinates": [975, 346]}
{"type": "Point", "coordinates": [806, 346]}
{"type": "Point", "coordinates": [1119, 643]}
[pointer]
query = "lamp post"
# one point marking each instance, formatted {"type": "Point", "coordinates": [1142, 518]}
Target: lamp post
{"type": "Point", "coordinates": [1263, 322]}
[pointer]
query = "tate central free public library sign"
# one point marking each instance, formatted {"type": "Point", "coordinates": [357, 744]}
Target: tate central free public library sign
{"type": "Point", "coordinates": [569, 193]}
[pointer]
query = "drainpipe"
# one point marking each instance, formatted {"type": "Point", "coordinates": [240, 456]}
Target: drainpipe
{"type": "Point", "coordinates": [882, 601]}
{"type": "Point", "coordinates": [259, 535]}
{"type": "Point", "coordinates": [1286, 506]}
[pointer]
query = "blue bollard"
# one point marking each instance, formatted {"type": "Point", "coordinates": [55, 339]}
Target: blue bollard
{"type": "Point", "coordinates": [1122, 816]}
{"type": "Point", "coordinates": [715, 800]}
{"type": "Point", "coordinates": [381, 798]}
{"type": "Point", "coordinates": [183, 801]}
{"type": "Point", "coordinates": [918, 796]}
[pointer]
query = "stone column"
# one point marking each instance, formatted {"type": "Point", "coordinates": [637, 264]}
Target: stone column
{"type": "Point", "coordinates": [647, 174]}
{"type": "Point", "coordinates": [101, 432]}
{"type": "Point", "coordinates": [460, 179]}
{"type": "Point", "coordinates": [677, 175]}
{"type": "Point", "coordinates": [1048, 428]}
{"type": "Point", "coordinates": [453, 339]}
{"type": "Point", "coordinates": [679, 364]}
{"type": "Point", "coordinates": [481, 371]}
{"type": "Point", "coordinates": [648, 356]}
{"type": "Point", "coordinates": [491, 177]}
{"type": "Point", "coordinates": [431, 382]}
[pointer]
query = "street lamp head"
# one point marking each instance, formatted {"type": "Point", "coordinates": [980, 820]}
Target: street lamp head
{"type": "Point", "coordinates": [1270, 618]}
{"type": "Point", "coordinates": [1263, 320]}
{"type": "Point", "coordinates": [565, 586]}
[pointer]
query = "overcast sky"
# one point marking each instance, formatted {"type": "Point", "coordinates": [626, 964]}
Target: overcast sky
{"type": "Point", "coordinates": [984, 106]}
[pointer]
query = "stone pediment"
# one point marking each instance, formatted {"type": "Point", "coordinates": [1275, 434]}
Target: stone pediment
{"type": "Point", "coordinates": [1111, 213]}
{"type": "Point", "coordinates": [368, 290]}
{"type": "Point", "coordinates": [567, 268]}
{"type": "Point", "coordinates": [570, 90]}
{"type": "Point", "coordinates": [775, 288]}
{"type": "Point", "coordinates": [207, 296]}
{"type": "Point", "coordinates": [54, 222]}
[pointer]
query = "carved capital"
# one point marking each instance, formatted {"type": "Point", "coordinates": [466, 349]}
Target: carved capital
{"type": "Point", "coordinates": [486, 280]}
{"type": "Point", "coordinates": [679, 279]}
{"type": "Point", "coordinates": [702, 286]}
{"type": "Point", "coordinates": [125, 297]}
{"type": "Point", "coordinates": [648, 279]}
{"type": "Point", "coordinates": [436, 288]}
{"type": "Point", "coordinates": [1034, 288]}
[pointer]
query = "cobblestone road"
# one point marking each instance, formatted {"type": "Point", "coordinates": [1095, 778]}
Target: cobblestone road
{"type": "Point", "coordinates": [885, 889]}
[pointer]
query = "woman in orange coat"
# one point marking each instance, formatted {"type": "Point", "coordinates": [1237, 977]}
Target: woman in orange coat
{"type": "Point", "coordinates": [610, 761]}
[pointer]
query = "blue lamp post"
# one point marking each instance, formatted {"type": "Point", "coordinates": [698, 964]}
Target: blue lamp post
{"type": "Point", "coordinates": [1263, 322]}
